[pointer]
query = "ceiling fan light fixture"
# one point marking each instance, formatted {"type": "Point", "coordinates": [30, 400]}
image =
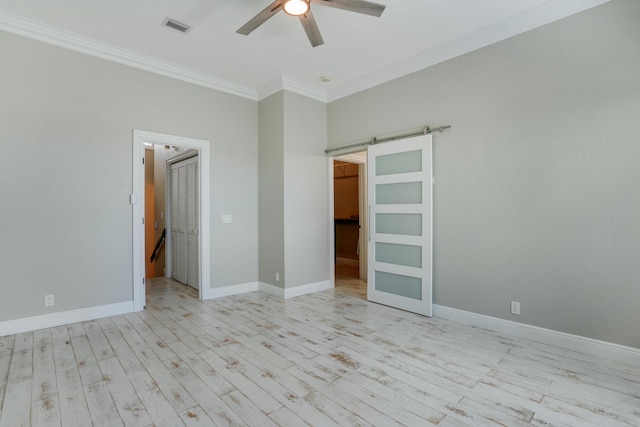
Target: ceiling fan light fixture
{"type": "Point", "coordinates": [296, 7]}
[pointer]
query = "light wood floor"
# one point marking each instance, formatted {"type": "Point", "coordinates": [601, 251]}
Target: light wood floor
{"type": "Point", "coordinates": [326, 359]}
{"type": "Point", "coordinates": [347, 278]}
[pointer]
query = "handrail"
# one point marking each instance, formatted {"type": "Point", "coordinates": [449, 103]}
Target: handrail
{"type": "Point", "coordinates": [154, 255]}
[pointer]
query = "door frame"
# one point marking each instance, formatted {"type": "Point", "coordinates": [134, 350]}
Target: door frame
{"type": "Point", "coordinates": [140, 138]}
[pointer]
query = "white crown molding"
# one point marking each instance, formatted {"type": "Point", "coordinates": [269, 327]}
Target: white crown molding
{"type": "Point", "coordinates": [296, 86]}
{"type": "Point", "coordinates": [38, 31]}
{"type": "Point", "coordinates": [27, 324]}
{"type": "Point", "coordinates": [544, 14]}
{"type": "Point", "coordinates": [275, 85]}
{"type": "Point", "coordinates": [292, 85]}
{"type": "Point", "coordinates": [593, 347]}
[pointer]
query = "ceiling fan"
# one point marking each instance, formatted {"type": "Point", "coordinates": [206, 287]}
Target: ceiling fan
{"type": "Point", "coordinates": [302, 9]}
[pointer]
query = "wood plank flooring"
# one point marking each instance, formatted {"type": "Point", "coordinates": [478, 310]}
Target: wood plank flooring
{"type": "Point", "coordinates": [347, 278]}
{"type": "Point", "coordinates": [326, 359]}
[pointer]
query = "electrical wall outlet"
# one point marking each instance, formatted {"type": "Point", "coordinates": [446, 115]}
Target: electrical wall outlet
{"type": "Point", "coordinates": [277, 277]}
{"type": "Point", "coordinates": [48, 300]}
{"type": "Point", "coordinates": [515, 307]}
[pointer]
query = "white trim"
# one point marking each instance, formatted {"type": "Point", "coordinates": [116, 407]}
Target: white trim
{"type": "Point", "coordinates": [276, 291]}
{"type": "Point", "coordinates": [27, 324]}
{"type": "Point", "coordinates": [137, 281]}
{"type": "Point", "coordinates": [168, 243]}
{"type": "Point", "coordinates": [58, 37]}
{"type": "Point", "coordinates": [309, 288]}
{"type": "Point", "coordinates": [292, 85]}
{"type": "Point", "coordinates": [546, 13]}
{"type": "Point", "coordinates": [593, 347]}
{"type": "Point", "coordinates": [301, 88]}
{"type": "Point", "coordinates": [271, 290]}
{"type": "Point", "coordinates": [363, 231]}
{"type": "Point", "coordinates": [226, 291]}
{"type": "Point", "coordinates": [332, 223]}
{"type": "Point", "coordinates": [295, 291]}
{"type": "Point", "coordinates": [203, 146]}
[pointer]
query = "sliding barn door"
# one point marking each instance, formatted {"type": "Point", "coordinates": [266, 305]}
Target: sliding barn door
{"type": "Point", "coordinates": [185, 220]}
{"type": "Point", "coordinates": [400, 183]}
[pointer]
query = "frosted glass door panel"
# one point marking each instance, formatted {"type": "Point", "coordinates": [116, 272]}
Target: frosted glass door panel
{"type": "Point", "coordinates": [404, 162]}
{"type": "Point", "coordinates": [399, 223]}
{"type": "Point", "coordinates": [396, 284]}
{"type": "Point", "coordinates": [392, 253]}
{"type": "Point", "coordinates": [399, 193]}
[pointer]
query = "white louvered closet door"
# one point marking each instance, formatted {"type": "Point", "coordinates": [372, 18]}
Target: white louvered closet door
{"type": "Point", "coordinates": [176, 236]}
{"type": "Point", "coordinates": [192, 222]}
{"type": "Point", "coordinates": [185, 222]}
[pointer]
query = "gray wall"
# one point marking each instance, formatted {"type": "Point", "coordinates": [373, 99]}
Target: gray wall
{"type": "Point", "coordinates": [306, 190]}
{"type": "Point", "coordinates": [66, 122]}
{"type": "Point", "coordinates": [271, 189]}
{"type": "Point", "coordinates": [294, 217]}
{"type": "Point", "coordinates": [536, 196]}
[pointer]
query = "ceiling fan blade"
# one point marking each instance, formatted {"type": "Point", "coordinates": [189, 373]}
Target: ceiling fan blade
{"type": "Point", "coordinates": [260, 18]}
{"type": "Point", "coordinates": [311, 28]}
{"type": "Point", "coordinates": [358, 6]}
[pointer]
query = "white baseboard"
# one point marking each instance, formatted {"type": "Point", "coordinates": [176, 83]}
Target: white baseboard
{"type": "Point", "coordinates": [26, 324]}
{"type": "Point", "coordinates": [295, 291]}
{"type": "Point", "coordinates": [307, 289]}
{"type": "Point", "coordinates": [226, 291]}
{"type": "Point", "coordinates": [604, 349]}
{"type": "Point", "coordinates": [271, 290]}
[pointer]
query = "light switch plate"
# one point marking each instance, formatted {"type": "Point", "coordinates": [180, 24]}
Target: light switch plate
{"type": "Point", "coordinates": [227, 219]}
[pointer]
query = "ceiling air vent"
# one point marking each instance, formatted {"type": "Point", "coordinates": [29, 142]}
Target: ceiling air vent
{"type": "Point", "coordinates": [176, 25]}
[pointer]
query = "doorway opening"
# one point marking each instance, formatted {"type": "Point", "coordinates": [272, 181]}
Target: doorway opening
{"type": "Point", "coordinates": [149, 220]}
{"type": "Point", "coordinates": [350, 222]}
{"type": "Point", "coordinates": [396, 209]}
{"type": "Point", "coordinates": [171, 214]}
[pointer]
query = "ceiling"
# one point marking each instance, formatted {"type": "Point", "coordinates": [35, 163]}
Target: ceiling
{"type": "Point", "coordinates": [360, 51]}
